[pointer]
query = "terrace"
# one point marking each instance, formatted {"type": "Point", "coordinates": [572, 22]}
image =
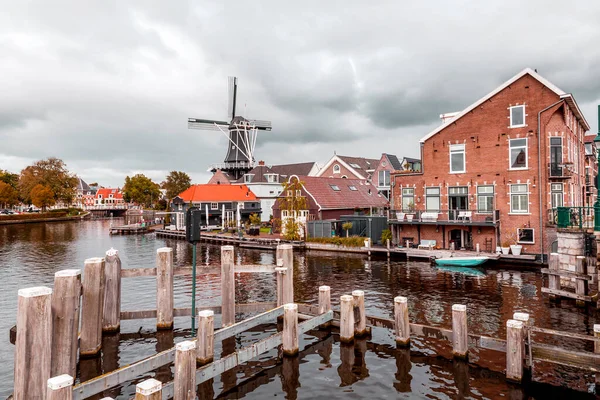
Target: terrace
{"type": "Point", "coordinates": [446, 217]}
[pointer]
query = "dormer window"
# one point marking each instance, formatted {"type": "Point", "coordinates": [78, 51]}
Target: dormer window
{"type": "Point", "coordinates": [271, 178]}
{"type": "Point", "coordinates": [517, 116]}
{"type": "Point", "coordinates": [248, 178]}
{"type": "Point", "coordinates": [336, 169]}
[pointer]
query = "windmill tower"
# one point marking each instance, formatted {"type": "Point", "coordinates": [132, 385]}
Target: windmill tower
{"type": "Point", "coordinates": [241, 133]}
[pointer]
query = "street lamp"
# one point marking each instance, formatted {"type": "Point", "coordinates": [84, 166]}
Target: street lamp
{"type": "Point", "coordinates": [597, 203]}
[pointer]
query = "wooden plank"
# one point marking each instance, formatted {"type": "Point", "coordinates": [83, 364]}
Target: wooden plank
{"type": "Point", "coordinates": [401, 321]}
{"type": "Point", "coordinates": [112, 292]}
{"type": "Point", "coordinates": [564, 293]}
{"type": "Point", "coordinates": [164, 288]}
{"type": "Point", "coordinates": [565, 334]}
{"type": "Point", "coordinates": [137, 272]}
{"type": "Point", "coordinates": [572, 358]}
{"type": "Point", "coordinates": [553, 280]}
{"type": "Point", "coordinates": [290, 329]}
{"type": "Point", "coordinates": [187, 311]}
{"type": "Point", "coordinates": [227, 286]}
{"type": "Point", "coordinates": [514, 350]}
{"type": "Point", "coordinates": [489, 343]}
{"type": "Point", "coordinates": [92, 303]}
{"type": "Point", "coordinates": [460, 343]}
{"type": "Point", "coordinates": [200, 271]}
{"type": "Point", "coordinates": [360, 321]}
{"type": "Point", "coordinates": [248, 323]}
{"type": "Point", "coordinates": [205, 337]}
{"type": "Point", "coordinates": [184, 383]}
{"type": "Point", "coordinates": [581, 286]}
{"type": "Point", "coordinates": [65, 321]}
{"type": "Point", "coordinates": [431, 332]}
{"type": "Point", "coordinates": [566, 274]}
{"type": "Point", "coordinates": [346, 319]}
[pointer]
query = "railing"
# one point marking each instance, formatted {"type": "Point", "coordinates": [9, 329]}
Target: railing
{"type": "Point", "coordinates": [558, 170]}
{"type": "Point", "coordinates": [572, 217]}
{"type": "Point", "coordinates": [458, 217]}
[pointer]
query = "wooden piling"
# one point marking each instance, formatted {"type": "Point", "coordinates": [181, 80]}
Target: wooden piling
{"type": "Point", "coordinates": [164, 288]}
{"type": "Point", "coordinates": [360, 317]}
{"type": "Point", "coordinates": [111, 315]}
{"type": "Point", "coordinates": [324, 302]}
{"type": "Point", "coordinates": [280, 271]}
{"type": "Point", "coordinates": [287, 254]}
{"type": "Point", "coordinates": [185, 370]}
{"type": "Point", "coordinates": [553, 280]}
{"type": "Point", "coordinates": [205, 343]}
{"type": "Point", "coordinates": [60, 388]}
{"type": "Point", "coordinates": [581, 285]}
{"type": "Point", "coordinates": [402, 323]}
{"type": "Point", "coordinates": [514, 350]}
{"type": "Point", "coordinates": [34, 333]}
{"type": "Point", "coordinates": [597, 350]}
{"type": "Point", "coordinates": [524, 318]}
{"type": "Point", "coordinates": [92, 306]}
{"type": "Point", "coordinates": [227, 286]}
{"type": "Point", "coordinates": [459, 331]}
{"type": "Point", "coordinates": [290, 329]}
{"type": "Point", "coordinates": [65, 322]}
{"type": "Point", "coordinates": [346, 319]}
{"type": "Point", "coordinates": [150, 389]}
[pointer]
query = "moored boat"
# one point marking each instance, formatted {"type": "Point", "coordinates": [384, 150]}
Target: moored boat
{"type": "Point", "coordinates": [460, 261]}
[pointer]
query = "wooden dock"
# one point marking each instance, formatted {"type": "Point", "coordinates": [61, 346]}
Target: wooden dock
{"type": "Point", "coordinates": [132, 229]}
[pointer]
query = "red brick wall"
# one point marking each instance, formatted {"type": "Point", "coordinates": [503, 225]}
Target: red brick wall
{"type": "Point", "coordinates": [328, 173]}
{"type": "Point", "coordinates": [485, 132]}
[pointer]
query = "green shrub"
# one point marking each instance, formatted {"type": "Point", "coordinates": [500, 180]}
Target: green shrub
{"type": "Point", "coordinates": [352, 241]}
{"type": "Point", "coordinates": [385, 235]}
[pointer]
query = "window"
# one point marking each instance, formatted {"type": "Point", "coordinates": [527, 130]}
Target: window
{"type": "Point", "coordinates": [525, 235]}
{"type": "Point", "coordinates": [336, 169]}
{"type": "Point", "coordinates": [353, 165]}
{"type": "Point", "coordinates": [519, 199]}
{"type": "Point", "coordinates": [271, 178]}
{"type": "Point", "coordinates": [432, 198]}
{"type": "Point", "coordinates": [556, 191]}
{"type": "Point", "coordinates": [408, 199]}
{"type": "Point", "coordinates": [485, 199]}
{"type": "Point", "coordinates": [248, 178]}
{"type": "Point", "coordinates": [214, 206]}
{"type": "Point", "coordinates": [457, 158]}
{"type": "Point", "coordinates": [518, 153]}
{"type": "Point", "coordinates": [384, 178]}
{"type": "Point", "coordinates": [289, 193]}
{"type": "Point", "coordinates": [517, 116]}
{"type": "Point", "coordinates": [298, 193]}
{"type": "Point", "coordinates": [284, 213]}
{"type": "Point", "coordinates": [335, 187]}
{"type": "Point", "coordinates": [353, 188]}
{"type": "Point", "coordinates": [179, 207]}
{"type": "Point", "coordinates": [589, 149]}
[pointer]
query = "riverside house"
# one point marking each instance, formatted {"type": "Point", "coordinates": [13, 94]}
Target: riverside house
{"type": "Point", "coordinates": [492, 173]}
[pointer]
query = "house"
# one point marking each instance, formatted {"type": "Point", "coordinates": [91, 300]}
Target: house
{"type": "Point", "coordinates": [220, 203]}
{"type": "Point", "coordinates": [494, 172]}
{"type": "Point", "coordinates": [220, 178]}
{"type": "Point", "coordinates": [348, 167]}
{"type": "Point", "coordinates": [411, 164]}
{"type": "Point", "coordinates": [265, 181]}
{"type": "Point", "coordinates": [85, 195]}
{"type": "Point", "coordinates": [591, 170]}
{"type": "Point", "coordinates": [109, 198]}
{"type": "Point", "coordinates": [387, 164]}
{"type": "Point", "coordinates": [329, 199]}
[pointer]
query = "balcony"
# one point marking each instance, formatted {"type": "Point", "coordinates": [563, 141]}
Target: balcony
{"type": "Point", "coordinates": [559, 170]}
{"type": "Point", "coordinates": [572, 217]}
{"type": "Point", "coordinates": [447, 217]}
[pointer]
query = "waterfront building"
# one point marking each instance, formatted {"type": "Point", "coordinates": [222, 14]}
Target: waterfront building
{"type": "Point", "coordinates": [85, 194]}
{"type": "Point", "coordinates": [493, 173]}
{"type": "Point", "coordinates": [109, 198]}
{"type": "Point", "coordinates": [348, 167]}
{"type": "Point", "coordinates": [591, 170]}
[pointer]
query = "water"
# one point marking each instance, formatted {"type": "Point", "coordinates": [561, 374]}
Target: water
{"type": "Point", "coordinates": [30, 254]}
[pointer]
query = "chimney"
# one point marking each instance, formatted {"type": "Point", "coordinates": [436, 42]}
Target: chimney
{"type": "Point", "coordinates": [261, 162]}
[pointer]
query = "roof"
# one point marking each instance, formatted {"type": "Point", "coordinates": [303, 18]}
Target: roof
{"type": "Point", "coordinates": [396, 164]}
{"type": "Point", "coordinates": [357, 165]}
{"type": "Point", "coordinates": [105, 192]}
{"type": "Point", "coordinates": [83, 186]}
{"type": "Point", "coordinates": [284, 171]}
{"type": "Point", "coordinates": [210, 192]}
{"type": "Point", "coordinates": [321, 190]}
{"type": "Point", "coordinates": [527, 71]}
{"type": "Point", "coordinates": [219, 178]}
{"type": "Point", "coordinates": [589, 138]}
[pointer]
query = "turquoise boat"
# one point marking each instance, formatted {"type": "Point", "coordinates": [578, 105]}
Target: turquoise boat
{"type": "Point", "coordinates": [462, 270]}
{"type": "Point", "coordinates": [460, 261]}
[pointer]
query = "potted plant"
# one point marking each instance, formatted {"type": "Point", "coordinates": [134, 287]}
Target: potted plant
{"type": "Point", "coordinates": [347, 226]}
{"type": "Point", "coordinates": [411, 209]}
{"type": "Point", "coordinates": [505, 247]}
{"type": "Point", "coordinates": [400, 215]}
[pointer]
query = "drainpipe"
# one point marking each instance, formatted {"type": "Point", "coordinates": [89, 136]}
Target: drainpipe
{"type": "Point", "coordinates": [539, 127]}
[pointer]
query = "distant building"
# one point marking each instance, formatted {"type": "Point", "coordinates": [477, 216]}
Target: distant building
{"type": "Point", "coordinates": [387, 164]}
{"type": "Point", "coordinates": [85, 195]}
{"type": "Point", "coordinates": [348, 167]}
{"type": "Point", "coordinates": [220, 178]}
{"type": "Point", "coordinates": [109, 198]}
{"type": "Point", "coordinates": [591, 170]}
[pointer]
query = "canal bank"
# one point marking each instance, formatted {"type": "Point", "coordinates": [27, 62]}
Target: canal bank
{"type": "Point", "coordinates": [42, 220]}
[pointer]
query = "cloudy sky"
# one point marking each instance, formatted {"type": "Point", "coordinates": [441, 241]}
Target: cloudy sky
{"type": "Point", "coordinates": [108, 85]}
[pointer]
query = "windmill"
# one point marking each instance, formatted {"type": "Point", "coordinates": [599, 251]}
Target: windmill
{"type": "Point", "coordinates": [241, 133]}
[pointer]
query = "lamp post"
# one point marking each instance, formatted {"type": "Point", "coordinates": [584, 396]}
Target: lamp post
{"type": "Point", "coordinates": [597, 202]}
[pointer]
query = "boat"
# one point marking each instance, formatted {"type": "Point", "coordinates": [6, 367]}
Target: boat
{"type": "Point", "coordinates": [460, 261]}
{"type": "Point", "coordinates": [462, 270]}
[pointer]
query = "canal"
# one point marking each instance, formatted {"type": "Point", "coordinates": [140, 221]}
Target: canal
{"type": "Point", "coordinates": [31, 254]}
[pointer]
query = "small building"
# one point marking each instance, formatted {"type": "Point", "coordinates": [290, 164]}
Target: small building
{"type": "Point", "coordinates": [109, 198]}
{"type": "Point", "coordinates": [387, 164]}
{"type": "Point", "coordinates": [348, 168]}
{"type": "Point", "coordinates": [85, 195]}
{"type": "Point", "coordinates": [591, 170]}
{"type": "Point", "coordinates": [219, 203]}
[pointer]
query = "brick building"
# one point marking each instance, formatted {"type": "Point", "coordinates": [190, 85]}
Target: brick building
{"type": "Point", "coordinates": [493, 172]}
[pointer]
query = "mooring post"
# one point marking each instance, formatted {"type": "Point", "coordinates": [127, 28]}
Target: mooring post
{"type": "Point", "coordinates": [227, 286]}
{"type": "Point", "coordinates": [92, 305]}
{"type": "Point", "coordinates": [346, 319]}
{"type": "Point", "coordinates": [477, 248]}
{"type": "Point", "coordinates": [280, 271]}
{"type": "Point", "coordinates": [524, 318]}
{"type": "Point", "coordinates": [553, 280]}
{"type": "Point", "coordinates": [290, 329]}
{"type": "Point", "coordinates": [185, 370]}
{"type": "Point", "coordinates": [325, 302]}
{"type": "Point", "coordinates": [164, 288]}
{"type": "Point", "coordinates": [60, 388]}
{"type": "Point", "coordinates": [150, 389]}
{"type": "Point", "coordinates": [34, 333]}
{"type": "Point", "coordinates": [360, 317]}
{"type": "Point", "coordinates": [402, 323]}
{"type": "Point", "coordinates": [514, 350]}
{"type": "Point", "coordinates": [205, 343]}
{"type": "Point", "coordinates": [112, 292]}
{"type": "Point", "coordinates": [459, 331]}
{"type": "Point", "coordinates": [597, 350]}
{"type": "Point", "coordinates": [65, 322]}
{"type": "Point", "coordinates": [581, 285]}
{"type": "Point", "coordinates": [287, 254]}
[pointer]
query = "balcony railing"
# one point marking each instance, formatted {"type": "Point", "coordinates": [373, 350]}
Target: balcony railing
{"type": "Point", "coordinates": [558, 170]}
{"type": "Point", "coordinates": [572, 217]}
{"type": "Point", "coordinates": [447, 217]}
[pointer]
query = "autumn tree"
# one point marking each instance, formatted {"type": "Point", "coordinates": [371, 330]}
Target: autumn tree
{"type": "Point", "coordinates": [8, 195]}
{"type": "Point", "coordinates": [42, 196]}
{"type": "Point", "coordinates": [141, 190]}
{"type": "Point", "coordinates": [9, 178]}
{"type": "Point", "coordinates": [52, 173]}
{"type": "Point", "coordinates": [290, 204]}
{"type": "Point", "coordinates": [176, 182]}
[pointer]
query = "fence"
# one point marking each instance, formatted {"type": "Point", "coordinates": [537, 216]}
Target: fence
{"type": "Point", "coordinates": [572, 217]}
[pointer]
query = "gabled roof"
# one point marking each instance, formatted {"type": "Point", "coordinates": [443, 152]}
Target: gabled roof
{"type": "Point", "coordinates": [358, 166]}
{"type": "Point", "coordinates": [219, 178]}
{"type": "Point", "coordinates": [321, 190]}
{"type": "Point", "coordinates": [396, 164]}
{"type": "Point", "coordinates": [105, 192]}
{"type": "Point", "coordinates": [82, 185]}
{"type": "Point", "coordinates": [288, 170]}
{"type": "Point", "coordinates": [216, 193]}
{"type": "Point", "coordinates": [527, 71]}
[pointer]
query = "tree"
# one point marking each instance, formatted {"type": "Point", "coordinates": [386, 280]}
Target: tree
{"type": "Point", "coordinates": [292, 202]}
{"type": "Point", "coordinates": [42, 196]}
{"type": "Point", "coordinates": [347, 226]}
{"type": "Point", "coordinates": [51, 172]}
{"type": "Point", "coordinates": [141, 190]}
{"type": "Point", "coordinates": [9, 178]}
{"type": "Point", "coordinates": [176, 182]}
{"type": "Point", "coordinates": [8, 195]}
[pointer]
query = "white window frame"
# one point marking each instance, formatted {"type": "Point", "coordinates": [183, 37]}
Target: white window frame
{"type": "Point", "coordinates": [458, 149]}
{"type": "Point", "coordinates": [519, 194]}
{"type": "Point", "coordinates": [248, 178]}
{"type": "Point", "coordinates": [214, 206]}
{"type": "Point", "coordinates": [411, 196]}
{"type": "Point", "coordinates": [558, 193]}
{"type": "Point", "coordinates": [336, 169]}
{"type": "Point", "coordinates": [522, 106]}
{"type": "Point", "coordinates": [510, 148]}
{"type": "Point", "coordinates": [483, 194]}
{"type": "Point", "coordinates": [433, 196]}
{"type": "Point", "coordinates": [518, 235]}
{"type": "Point", "coordinates": [385, 172]}
{"type": "Point", "coordinates": [298, 193]}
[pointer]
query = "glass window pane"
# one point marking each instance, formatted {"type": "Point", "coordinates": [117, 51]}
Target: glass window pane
{"type": "Point", "coordinates": [518, 142]}
{"type": "Point", "coordinates": [555, 141]}
{"type": "Point", "coordinates": [485, 189]}
{"type": "Point", "coordinates": [432, 191]}
{"type": "Point", "coordinates": [517, 115]}
{"type": "Point", "coordinates": [458, 162]}
{"type": "Point", "coordinates": [433, 203]}
{"type": "Point", "coordinates": [518, 158]}
{"type": "Point", "coordinates": [408, 192]}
